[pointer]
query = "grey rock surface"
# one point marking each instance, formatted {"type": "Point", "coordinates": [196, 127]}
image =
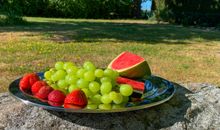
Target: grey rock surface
{"type": "Point", "coordinates": [194, 106]}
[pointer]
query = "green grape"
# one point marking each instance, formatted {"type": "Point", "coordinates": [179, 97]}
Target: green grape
{"type": "Point", "coordinates": [54, 77]}
{"type": "Point", "coordinates": [113, 95]}
{"type": "Point", "coordinates": [99, 73]}
{"type": "Point", "coordinates": [125, 99]}
{"type": "Point", "coordinates": [62, 84]}
{"type": "Point", "coordinates": [92, 106]}
{"type": "Point", "coordinates": [108, 72]}
{"type": "Point", "coordinates": [59, 65]}
{"type": "Point", "coordinates": [126, 90]}
{"type": "Point", "coordinates": [96, 99]}
{"type": "Point", "coordinates": [72, 87]}
{"type": "Point", "coordinates": [67, 65]}
{"type": "Point", "coordinates": [53, 70]}
{"type": "Point", "coordinates": [81, 83]}
{"type": "Point", "coordinates": [106, 88]}
{"type": "Point", "coordinates": [72, 70]}
{"type": "Point", "coordinates": [94, 86]}
{"type": "Point", "coordinates": [87, 92]}
{"type": "Point", "coordinates": [87, 63]}
{"type": "Point", "coordinates": [71, 79]}
{"type": "Point", "coordinates": [118, 99]}
{"type": "Point", "coordinates": [115, 74]}
{"type": "Point", "coordinates": [117, 106]}
{"type": "Point", "coordinates": [89, 66]}
{"type": "Point", "coordinates": [80, 73]}
{"type": "Point", "coordinates": [89, 101]}
{"type": "Point", "coordinates": [114, 77]}
{"type": "Point", "coordinates": [89, 76]}
{"type": "Point", "coordinates": [54, 86]}
{"type": "Point", "coordinates": [49, 82]}
{"type": "Point", "coordinates": [106, 99]}
{"type": "Point", "coordinates": [63, 90]}
{"type": "Point", "coordinates": [105, 106]}
{"type": "Point", "coordinates": [105, 79]}
{"type": "Point", "coordinates": [48, 75]}
{"type": "Point", "coordinates": [113, 83]}
{"type": "Point", "coordinates": [60, 74]}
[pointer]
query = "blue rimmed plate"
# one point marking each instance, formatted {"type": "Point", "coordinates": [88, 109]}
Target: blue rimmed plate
{"type": "Point", "coordinates": [158, 91]}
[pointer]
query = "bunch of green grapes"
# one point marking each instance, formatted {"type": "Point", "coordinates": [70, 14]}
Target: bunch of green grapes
{"type": "Point", "coordinates": [99, 85]}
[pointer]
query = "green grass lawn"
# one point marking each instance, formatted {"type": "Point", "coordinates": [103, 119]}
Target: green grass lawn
{"type": "Point", "coordinates": [180, 54]}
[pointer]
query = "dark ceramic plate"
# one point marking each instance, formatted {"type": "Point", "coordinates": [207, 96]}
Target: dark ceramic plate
{"type": "Point", "coordinates": [158, 91]}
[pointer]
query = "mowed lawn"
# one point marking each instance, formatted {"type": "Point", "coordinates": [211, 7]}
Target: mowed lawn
{"type": "Point", "coordinates": [180, 54]}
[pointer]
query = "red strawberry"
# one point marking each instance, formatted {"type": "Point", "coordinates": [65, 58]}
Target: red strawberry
{"type": "Point", "coordinates": [56, 98]}
{"type": "Point", "coordinates": [72, 106]}
{"type": "Point", "coordinates": [37, 85]}
{"type": "Point", "coordinates": [33, 78]}
{"type": "Point", "coordinates": [56, 104]}
{"type": "Point", "coordinates": [43, 92]}
{"type": "Point", "coordinates": [24, 83]}
{"type": "Point", "coordinates": [76, 99]}
{"type": "Point", "coordinates": [27, 81]}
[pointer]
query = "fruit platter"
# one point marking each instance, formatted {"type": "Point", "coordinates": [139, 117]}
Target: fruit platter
{"type": "Point", "coordinates": [125, 85]}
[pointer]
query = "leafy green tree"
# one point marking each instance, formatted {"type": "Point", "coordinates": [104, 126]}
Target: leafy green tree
{"type": "Point", "coordinates": [189, 12]}
{"type": "Point", "coordinates": [76, 8]}
{"type": "Point", "coordinates": [12, 12]}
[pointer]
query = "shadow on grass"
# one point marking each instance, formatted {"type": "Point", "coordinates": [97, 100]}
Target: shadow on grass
{"type": "Point", "coordinates": [90, 31]}
{"type": "Point", "coordinates": [157, 117]}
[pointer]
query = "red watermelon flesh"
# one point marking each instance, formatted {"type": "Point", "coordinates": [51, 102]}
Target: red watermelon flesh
{"type": "Point", "coordinates": [125, 60]}
{"type": "Point", "coordinates": [136, 85]}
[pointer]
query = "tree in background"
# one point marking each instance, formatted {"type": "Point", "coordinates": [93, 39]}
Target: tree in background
{"type": "Point", "coordinates": [11, 12]}
{"type": "Point", "coordinates": [136, 8]}
{"type": "Point", "coordinates": [78, 8]}
{"type": "Point", "coordinates": [106, 9]}
{"type": "Point", "coordinates": [188, 12]}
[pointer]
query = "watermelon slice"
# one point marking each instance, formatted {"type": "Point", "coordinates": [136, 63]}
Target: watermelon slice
{"type": "Point", "coordinates": [136, 85]}
{"type": "Point", "coordinates": [130, 65]}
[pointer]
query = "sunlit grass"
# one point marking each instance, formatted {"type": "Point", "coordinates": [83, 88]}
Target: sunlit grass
{"type": "Point", "coordinates": [180, 54]}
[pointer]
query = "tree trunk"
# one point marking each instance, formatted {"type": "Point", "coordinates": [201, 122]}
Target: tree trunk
{"type": "Point", "coordinates": [137, 8]}
{"type": "Point", "coordinates": [153, 7]}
